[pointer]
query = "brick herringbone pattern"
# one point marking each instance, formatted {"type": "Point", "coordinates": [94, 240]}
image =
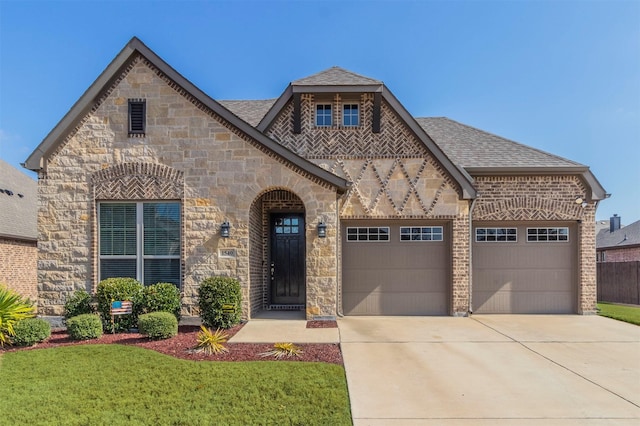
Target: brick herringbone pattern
{"type": "Point", "coordinates": [138, 181]}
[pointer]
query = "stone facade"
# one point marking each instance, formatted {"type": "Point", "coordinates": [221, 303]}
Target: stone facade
{"type": "Point", "coordinates": [221, 169]}
{"type": "Point", "coordinates": [18, 260]}
{"type": "Point", "coordinates": [189, 154]}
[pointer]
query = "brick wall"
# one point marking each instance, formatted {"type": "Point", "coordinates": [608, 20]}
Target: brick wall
{"type": "Point", "coordinates": [629, 254]}
{"type": "Point", "coordinates": [18, 260]}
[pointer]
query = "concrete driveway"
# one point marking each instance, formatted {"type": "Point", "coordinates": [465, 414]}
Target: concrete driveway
{"type": "Point", "coordinates": [492, 370]}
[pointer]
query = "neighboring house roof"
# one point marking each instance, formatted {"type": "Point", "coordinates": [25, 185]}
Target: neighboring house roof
{"type": "Point", "coordinates": [37, 159]}
{"type": "Point", "coordinates": [18, 204]}
{"type": "Point", "coordinates": [620, 238]}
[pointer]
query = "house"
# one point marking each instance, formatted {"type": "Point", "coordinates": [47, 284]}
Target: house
{"type": "Point", "coordinates": [618, 244]}
{"type": "Point", "coordinates": [18, 231]}
{"type": "Point", "coordinates": [331, 198]}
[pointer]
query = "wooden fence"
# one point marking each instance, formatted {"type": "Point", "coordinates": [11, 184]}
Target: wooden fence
{"type": "Point", "coordinates": [619, 282]}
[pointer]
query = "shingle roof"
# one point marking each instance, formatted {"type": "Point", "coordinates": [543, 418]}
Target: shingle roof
{"type": "Point", "coordinates": [335, 76]}
{"type": "Point", "coordinates": [470, 147]}
{"type": "Point", "coordinates": [18, 203]}
{"type": "Point", "coordinates": [625, 236]}
{"type": "Point", "coordinates": [250, 111]}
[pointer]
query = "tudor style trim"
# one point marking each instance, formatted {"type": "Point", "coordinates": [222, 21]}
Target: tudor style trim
{"type": "Point", "coordinates": [37, 159]}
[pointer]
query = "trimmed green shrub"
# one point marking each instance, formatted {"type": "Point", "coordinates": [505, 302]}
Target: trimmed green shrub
{"type": "Point", "coordinates": [78, 304]}
{"type": "Point", "coordinates": [158, 325]}
{"type": "Point", "coordinates": [219, 301]}
{"type": "Point", "coordinates": [162, 297]}
{"type": "Point", "coordinates": [13, 308]}
{"type": "Point", "coordinates": [114, 289]}
{"type": "Point", "coordinates": [30, 331]}
{"type": "Point", "coordinates": [84, 327]}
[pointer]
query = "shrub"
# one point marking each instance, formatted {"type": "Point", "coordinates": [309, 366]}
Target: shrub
{"type": "Point", "coordinates": [13, 308]}
{"type": "Point", "coordinates": [162, 297]}
{"type": "Point", "coordinates": [113, 289]}
{"type": "Point", "coordinates": [210, 342]}
{"type": "Point", "coordinates": [283, 350]}
{"type": "Point", "coordinates": [30, 331]}
{"type": "Point", "coordinates": [84, 327]}
{"type": "Point", "coordinates": [78, 304]}
{"type": "Point", "coordinates": [158, 325]}
{"type": "Point", "coordinates": [215, 295]}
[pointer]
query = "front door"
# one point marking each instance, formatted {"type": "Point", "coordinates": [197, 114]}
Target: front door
{"type": "Point", "coordinates": [287, 259]}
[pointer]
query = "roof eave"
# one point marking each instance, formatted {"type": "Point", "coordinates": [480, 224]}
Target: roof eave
{"type": "Point", "coordinates": [19, 237]}
{"type": "Point", "coordinates": [87, 100]}
{"type": "Point", "coordinates": [460, 175]}
{"type": "Point", "coordinates": [596, 191]}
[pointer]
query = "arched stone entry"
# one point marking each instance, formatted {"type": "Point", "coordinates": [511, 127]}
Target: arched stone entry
{"type": "Point", "coordinates": [277, 237]}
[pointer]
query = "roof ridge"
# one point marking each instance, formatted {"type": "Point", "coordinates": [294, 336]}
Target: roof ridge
{"type": "Point", "coordinates": [353, 74]}
{"type": "Point", "coordinates": [507, 140]}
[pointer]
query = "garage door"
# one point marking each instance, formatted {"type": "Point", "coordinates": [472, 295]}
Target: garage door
{"type": "Point", "coordinates": [395, 268]}
{"type": "Point", "coordinates": [524, 268]}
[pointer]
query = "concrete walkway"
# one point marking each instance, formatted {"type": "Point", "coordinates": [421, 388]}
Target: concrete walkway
{"type": "Point", "coordinates": [278, 326]}
{"type": "Point", "coordinates": [492, 370]}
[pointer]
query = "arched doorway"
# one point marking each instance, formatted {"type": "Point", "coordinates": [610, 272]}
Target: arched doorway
{"type": "Point", "coordinates": [277, 249]}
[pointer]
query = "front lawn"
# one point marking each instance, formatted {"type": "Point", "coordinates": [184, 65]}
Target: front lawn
{"type": "Point", "coordinates": [630, 314]}
{"type": "Point", "coordinates": [127, 385]}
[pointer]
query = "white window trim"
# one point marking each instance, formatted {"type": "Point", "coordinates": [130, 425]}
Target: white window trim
{"type": "Point", "coordinates": [496, 228]}
{"type": "Point", "coordinates": [344, 104]}
{"type": "Point", "coordinates": [368, 240]}
{"type": "Point", "coordinates": [441, 234]}
{"type": "Point", "coordinates": [315, 118]}
{"type": "Point", "coordinates": [548, 228]}
{"type": "Point", "coordinates": [139, 256]}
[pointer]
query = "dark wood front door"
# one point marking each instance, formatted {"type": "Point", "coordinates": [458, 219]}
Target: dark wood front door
{"type": "Point", "coordinates": [287, 259]}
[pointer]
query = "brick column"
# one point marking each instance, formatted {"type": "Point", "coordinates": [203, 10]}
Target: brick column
{"type": "Point", "coordinates": [460, 267]}
{"type": "Point", "coordinates": [587, 290]}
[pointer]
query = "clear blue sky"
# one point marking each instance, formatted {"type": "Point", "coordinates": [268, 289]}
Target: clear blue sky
{"type": "Point", "coordinates": [561, 76]}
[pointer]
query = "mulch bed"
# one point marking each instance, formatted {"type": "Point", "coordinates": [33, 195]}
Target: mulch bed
{"type": "Point", "coordinates": [322, 324]}
{"type": "Point", "coordinates": [182, 345]}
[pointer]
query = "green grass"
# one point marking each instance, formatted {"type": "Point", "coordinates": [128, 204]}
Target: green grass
{"type": "Point", "coordinates": [126, 385]}
{"type": "Point", "coordinates": [630, 314]}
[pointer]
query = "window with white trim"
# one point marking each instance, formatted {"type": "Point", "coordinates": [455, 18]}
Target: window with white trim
{"type": "Point", "coordinates": [380, 233]}
{"type": "Point", "coordinates": [560, 234]}
{"type": "Point", "coordinates": [487, 235]}
{"type": "Point", "coordinates": [350, 115]}
{"type": "Point", "coordinates": [140, 240]}
{"type": "Point", "coordinates": [421, 233]}
{"type": "Point", "coordinates": [323, 115]}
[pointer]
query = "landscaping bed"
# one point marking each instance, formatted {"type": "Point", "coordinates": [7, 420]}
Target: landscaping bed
{"type": "Point", "coordinates": [182, 346]}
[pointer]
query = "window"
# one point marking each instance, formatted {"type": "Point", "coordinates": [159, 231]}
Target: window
{"type": "Point", "coordinates": [368, 234]}
{"type": "Point", "coordinates": [141, 241]}
{"type": "Point", "coordinates": [323, 115]}
{"type": "Point", "coordinates": [137, 116]}
{"type": "Point", "coordinates": [288, 225]}
{"type": "Point", "coordinates": [350, 116]}
{"type": "Point", "coordinates": [421, 233]}
{"type": "Point", "coordinates": [547, 234]}
{"type": "Point", "coordinates": [484, 235]}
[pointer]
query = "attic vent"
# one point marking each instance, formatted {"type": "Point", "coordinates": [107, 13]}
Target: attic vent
{"type": "Point", "coordinates": [137, 116]}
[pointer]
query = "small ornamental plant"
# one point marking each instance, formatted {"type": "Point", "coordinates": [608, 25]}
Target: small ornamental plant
{"type": "Point", "coordinates": [158, 325]}
{"type": "Point", "coordinates": [84, 327]}
{"type": "Point", "coordinates": [283, 350]}
{"type": "Point", "coordinates": [79, 303]}
{"type": "Point", "coordinates": [211, 342]}
{"type": "Point", "coordinates": [30, 331]}
{"type": "Point", "coordinates": [13, 308]}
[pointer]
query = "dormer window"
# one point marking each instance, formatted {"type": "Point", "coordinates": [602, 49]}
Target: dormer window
{"type": "Point", "coordinates": [350, 115]}
{"type": "Point", "coordinates": [323, 115]}
{"type": "Point", "coordinates": [137, 117]}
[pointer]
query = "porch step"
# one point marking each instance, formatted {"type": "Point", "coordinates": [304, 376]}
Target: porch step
{"type": "Point", "coordinates": [285, 307]}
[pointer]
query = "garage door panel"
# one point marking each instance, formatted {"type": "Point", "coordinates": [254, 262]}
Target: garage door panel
{"type": "Point", "coordinates": [394, 304]}
{"type": "Point", "coordinates": [525, 276]}
{"type": "Point", "coordinates": [394, 277]}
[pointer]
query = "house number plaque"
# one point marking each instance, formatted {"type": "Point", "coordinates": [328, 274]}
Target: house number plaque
{"type": "Point", "coordinates": [227, 252]}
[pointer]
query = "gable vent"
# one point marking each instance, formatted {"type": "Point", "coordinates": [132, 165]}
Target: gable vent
{"type": "Point", "coordinates": [137, 116]}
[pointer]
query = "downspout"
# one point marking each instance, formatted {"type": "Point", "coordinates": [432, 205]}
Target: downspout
{"type": "Point", "coordinates": [473, 204]}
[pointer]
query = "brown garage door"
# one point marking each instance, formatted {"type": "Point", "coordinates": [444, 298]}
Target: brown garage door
{"type": "Point", "coordinates": [524, 268]}
{"type": "Point", "coordinates": [395, 268]}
